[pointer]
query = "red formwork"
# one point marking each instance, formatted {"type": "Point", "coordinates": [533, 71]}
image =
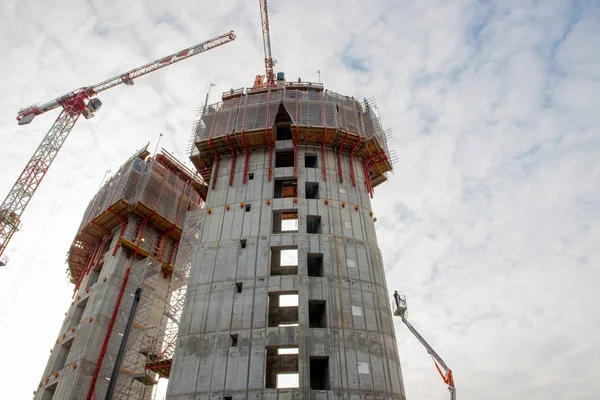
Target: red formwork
{"type": "Point", "coordinates": [159, 188]}
{"type": "Point", "coordinates": [245, 120]}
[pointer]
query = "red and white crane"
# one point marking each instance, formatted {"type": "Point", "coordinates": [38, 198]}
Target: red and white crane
{"type": "Point", "coordinates": [78, 102]}
{"type": "Point", "coordinates": [269, 78]}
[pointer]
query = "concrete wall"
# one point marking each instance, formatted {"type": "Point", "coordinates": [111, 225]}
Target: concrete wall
{"type": "Point", "coordinates": [359, 336]}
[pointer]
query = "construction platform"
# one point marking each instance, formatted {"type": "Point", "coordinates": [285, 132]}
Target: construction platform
{"type": "Point", "coordinates": [158, 191]}
{"type": "Point", "coordinates": [248, 119]}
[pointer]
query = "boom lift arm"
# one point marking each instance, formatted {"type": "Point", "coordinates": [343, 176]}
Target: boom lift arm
{"type": "Point", "coordinates": [75, 103]}
{"type": "Point", "coordinates": [400, 309]}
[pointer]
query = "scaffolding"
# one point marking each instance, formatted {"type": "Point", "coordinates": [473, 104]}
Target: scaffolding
{"type": "Point", "coordinates": [245, 120]}
{"type": "Point", "coordinates": [151, 344]}
{"type": "Point", "coordinates": [158, 190]}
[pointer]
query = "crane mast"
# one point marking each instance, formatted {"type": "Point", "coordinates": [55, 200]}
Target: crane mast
{"type": "Point", "coordinates": [74, 104]}
{"type": "Point", "coordinates": [400, 310]}
{"type": "Point", "coordinates": [264, 17]}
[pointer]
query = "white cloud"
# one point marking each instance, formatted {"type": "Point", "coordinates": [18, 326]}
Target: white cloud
{"type": "Point", "coordinates": [494, 199]}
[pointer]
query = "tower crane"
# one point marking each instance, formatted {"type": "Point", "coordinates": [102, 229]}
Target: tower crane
{"type": "Point", "coordinates": [78, 102]}
{"type": "Point", "coordinates": [400, 310]}
{"type": "Point", "coordinates": [269, 77]}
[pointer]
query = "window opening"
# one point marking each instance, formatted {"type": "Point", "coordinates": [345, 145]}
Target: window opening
{"type": "Point", "coordinates": [283, 309]}
{"type": "Point", "coordinates": [284, 133]}
{"type": "Point", "coordinates": [285, 188]}
{"type": "Point", "coordinates": [251, 175]}
{"type": "Point", "coordinates": [284, 260]}
{"type": "Point", "coordinates": [61, 356]}
{"type": "Point", "coordinates": [78, 312]}
{"type": "Point", "coordinates": [317, 315]}
{"type": "Point", "coordinates": [312, 190]}
{"type": "Point", "coordinates": [248, 207]}
{"type": "Point", "coordinates": [239, 287]}
{"type": "Point", "coordinates": [319, 373]}
{"type": "Point", "coordinates": [284, 159]}
{"type": "Point", "coordinates": [282, 367]}
{"type": "Point", "coordinates": [234, 340]}
{"type": "Point", "coordinates": [227, 397]}
{"type": "Point", "coordinates": [310, 161]}
{"type": "Point", "coordinates": [285, 221]}
{"type": "Point", "coordinates": [315, 264]}
{"type": "Point", "coordinates": [313, 224]}
{"type": "Point", "coordinates": [243, 243]}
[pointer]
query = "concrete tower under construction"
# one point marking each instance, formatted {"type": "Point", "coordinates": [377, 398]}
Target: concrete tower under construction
{"type": "Point", "coordinates": [129, 262]}
{"type": "Point", "coordinates": [287, 296]}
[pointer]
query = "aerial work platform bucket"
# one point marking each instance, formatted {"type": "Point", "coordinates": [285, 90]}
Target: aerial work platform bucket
{"type": "Point", "coordinates": [399, 306]}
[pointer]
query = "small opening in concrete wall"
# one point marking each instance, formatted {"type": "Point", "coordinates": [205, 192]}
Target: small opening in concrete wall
{"type": "Point", "coordinates": [285, 221]}
{"type": "Point", "coordinates": [284, 260]}
{"type": "Point", "coordinates": [315, 264]}
{"type": "Point", "coordinates": [284, 132]}
{"type": "Point", "coordinates": [312, 190]}
{"type": "Point", "coordinates": [248, 207]}
{"type": "Point", "coordinates": [243, 243]}
{"type": "Point", "coordinates": [234, 340]}
{"type": "Point", "coordinates": [282, 367]}
{"type": "Point", "coordinates": [285, 188]}
{"type": "Point", "coordinates": [239, 286]}
{"type": "Point", "coordinates": [313, 224]}
{"type": "Point", "coordinates": [319, 373]}
{"type": "Point", "coordinates": [284, 159]}
{"type": "Point", "coordinates": [227, 397]}
{"type": "Point", "coordinates": [283, 309]}
{"type": "Point", "coordinates": [251, 175]}
{"type": "Point", "coordinates": [310, 161]}
{"type": "Point", "coordinates": [317, 314]}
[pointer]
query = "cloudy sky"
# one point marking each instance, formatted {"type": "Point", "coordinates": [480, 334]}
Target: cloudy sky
{"type": "Point", "coordinates": [490, 223]}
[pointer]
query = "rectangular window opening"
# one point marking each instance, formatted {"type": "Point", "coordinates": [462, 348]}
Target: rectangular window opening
{"type": "Point", "coordinates": [319, 373]}
{"type": "Point", "coordinates": [234, 340]}
{"type": "Point", "coordinates": [243, 243]}
{"type": "Point", "coordinates": [285, 221]}
{"type": "Point", "coordinates": [248, 207]}
{"type": "Point", "coordinates": [227, 397]}
{"type": "Point", "coordinates": [239, 286]}
{"type": "Point", "coordinates": [315, 264]}
{"type": "Point", "coordinates": [284, 260]}
{"type": "Point", "coordinates": [313, 224]}
{"type": "Point", "coordinates": [284, 132]}
{"type": "Point", "coordinates": [284, 159]}
{"type": "Point", "coordinates": [281, 367]}
{"type": "Point", "coordinates": [283, 309]}
{"type": "Point", "coordinates": [285, 188]}
{"type": "Point", "coordinates": [312, 190]}
{"type": "Point", "coordinates": [94, 275]}
{"type": "Point", "coordinates": [49, 391]}
{"type": "Point", "coordinates": [61, 356]}
{"type": "Point", "coordinates": [251, 175]}
{"type": "Point", "coordinates": [310, 161]}
{"type": "Point", "coordinates": [78, 312]}
{"type": "Point", "coordinates": [317, 314]}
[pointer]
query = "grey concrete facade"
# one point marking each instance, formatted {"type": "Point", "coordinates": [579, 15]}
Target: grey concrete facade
{"type": "Point", "coordinates": [231, 329]}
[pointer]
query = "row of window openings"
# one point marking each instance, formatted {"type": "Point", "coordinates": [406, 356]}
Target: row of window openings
{"type": "Point", "coordinates": [285, 159]}
{"type": "Point", "coordinates": [284, 261]}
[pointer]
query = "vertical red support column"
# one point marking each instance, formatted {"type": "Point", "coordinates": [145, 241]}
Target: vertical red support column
{"type": "Point", "coordinates": [354, 146]}
{"type": "Point", "coordinates": [269, 141]}
{"type": "Point", "coordinates": [339, 157]}
{"type": "Point", "coordinates": [247, 155]}
{"type": "Point", "coordinates": [230, 143]}
{"type": "Point", "coordinates": [367, 179]}
{"type": "Point", "coordinates": [324, 122]}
